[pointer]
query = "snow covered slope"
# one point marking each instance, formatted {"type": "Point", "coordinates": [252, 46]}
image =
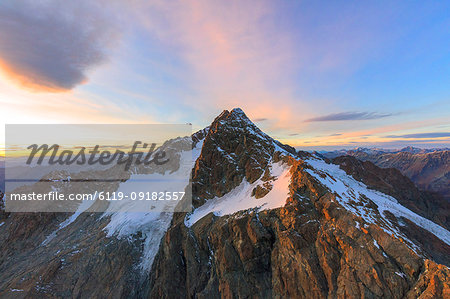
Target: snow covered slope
{"type": "Point", "coordinates": [241, 198]}
{"type": "Point", "coordinates": [349, 190]}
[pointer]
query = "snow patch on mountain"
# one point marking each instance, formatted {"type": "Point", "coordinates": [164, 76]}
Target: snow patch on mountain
{"type": "Point", "coordinates": [349, 190]}
{"type": "Point", "coordinates": [86, 204]}
{"type": "Point", "coordinates": [241, 198]}
{"type": "Point", "coordinates": [152, 225]}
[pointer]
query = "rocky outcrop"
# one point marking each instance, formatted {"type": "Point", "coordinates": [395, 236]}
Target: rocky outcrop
{"type": "Point", "coordinates": [433, 283]}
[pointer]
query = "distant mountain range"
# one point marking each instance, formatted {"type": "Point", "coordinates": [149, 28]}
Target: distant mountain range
{"type": "Point", "coordinates": [378, 151]}
{"type": "Point", "coordinates": [429, 169]}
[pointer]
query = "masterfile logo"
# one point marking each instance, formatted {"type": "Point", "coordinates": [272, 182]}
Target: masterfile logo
{"type": "Point", "coordinates": [99, 168]}
{"type": "Point", "coordinates": [83, 156]}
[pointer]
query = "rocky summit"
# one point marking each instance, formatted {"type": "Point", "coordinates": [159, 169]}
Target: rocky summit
{"type": "Point", "coordinates": [267, 221]}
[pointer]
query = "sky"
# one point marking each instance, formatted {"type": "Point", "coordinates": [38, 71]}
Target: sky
{"type": "Point", "coordinates": [312, 74]}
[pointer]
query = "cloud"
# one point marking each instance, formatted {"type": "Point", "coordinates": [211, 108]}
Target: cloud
{"type": "Point", "coordinates": [294, 134]}
{"type": "Point", "coordinates": [50, 45]}
{"type": "Point", "coordinates": [260, 119]}
{"type": "Point", "coordinates": [422, 135]}
{"type": "Point", "coordinates": [348, 116]}
{"type": "Point", "coordinates": [231, 53]}
{"type": "Point", "coordinates": [336, 134]}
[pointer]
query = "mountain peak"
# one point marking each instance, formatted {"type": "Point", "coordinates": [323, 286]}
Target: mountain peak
{"type": "Point", "coordinates": [412, 150]}
{"type": "Point", "coordinates": [235, 113]}
{"type": "Point", "coordinates": [238, 111]}
{"type": "Point", "coordinates": [237, 121]}
{"type": "Point", "coordinates": [235, 118]}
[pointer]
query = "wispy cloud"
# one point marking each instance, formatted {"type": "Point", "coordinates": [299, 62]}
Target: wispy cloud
{"type": "Point", "coordinates": [422, 135]}
{"type": "Point", "coordinates": [351, 115]}
{"type": "Point", "coordinates": [233, 54]}
{"type": "Point", "coordinates": [50, 45]}
{"type": "Point", "coordinates": [260, 119]}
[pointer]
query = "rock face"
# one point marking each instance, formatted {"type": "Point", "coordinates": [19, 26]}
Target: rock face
{"type": "Point", "coordinates": [79, 262]}
{"type": "Point", "coordinates": [267, 221]}
{"type": "Point", "coordinates": [392, 182]}
{"type": "Point", "coordinates": [310, 248]}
